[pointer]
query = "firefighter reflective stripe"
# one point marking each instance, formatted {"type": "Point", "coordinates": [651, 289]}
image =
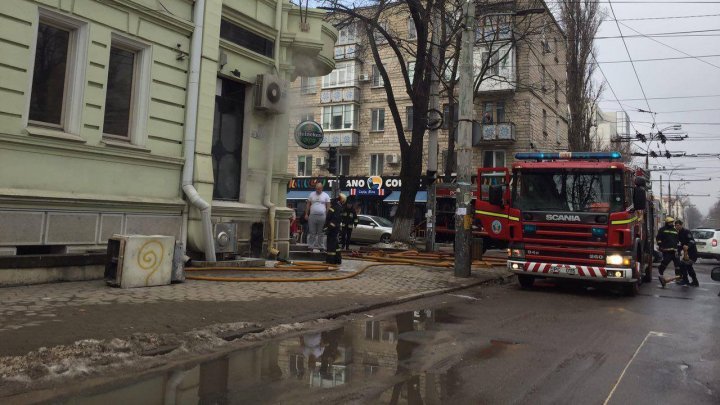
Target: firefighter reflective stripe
{"type": "Point", "coordinates": [624, 221]}
{"type": "Point", "coordinates": [583, 271]}
{"type": "Point", "coordinates": [495, 214]}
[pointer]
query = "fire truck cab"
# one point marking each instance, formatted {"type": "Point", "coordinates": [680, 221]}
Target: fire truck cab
{"type": "Point", "coordinates": [573, 215]}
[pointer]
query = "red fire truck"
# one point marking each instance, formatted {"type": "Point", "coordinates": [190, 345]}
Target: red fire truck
{"type": "Point", "coordinates": [572, 215]}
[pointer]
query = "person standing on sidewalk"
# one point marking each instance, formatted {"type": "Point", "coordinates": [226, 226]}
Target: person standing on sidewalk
{"type": "Point", "coordinates": [316, 210]}
{"type": "Point", "coordinates": [349, 222]}
{"type": "Point", "coordinates": [332, 228]}
{"type": "Point", "coordinates": [667, 240]}
{"type": "Point", "coordinates": [688, 250]}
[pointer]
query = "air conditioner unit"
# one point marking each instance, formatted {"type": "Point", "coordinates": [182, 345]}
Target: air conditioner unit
{"type": "Point", "coordinates": [225, 237]}
{"type": "Point", "coordinates": [320, 161]}
{"type": "Point", "coordinates": [271, 94]}
{"type": "Point", "coordinates": [364, 78]}
{"type": "Point", "coordinates": [139, 260]}
{"type": "Point", "coordinates": [392, 159]}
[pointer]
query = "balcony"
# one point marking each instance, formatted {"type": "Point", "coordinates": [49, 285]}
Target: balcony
{"type": "Point", "coordinates": [336, 95]}
{"type": "Point", "coordinates": [344, 138]}
{"type": "Point", "coordinates": [495, 133]}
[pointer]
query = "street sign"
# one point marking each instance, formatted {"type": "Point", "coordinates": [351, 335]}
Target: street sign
{"type": "Point", "coordinates": [309, 134]}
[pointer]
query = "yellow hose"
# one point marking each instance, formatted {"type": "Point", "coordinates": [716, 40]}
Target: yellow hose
{"type": "Point", "coordinates": [381, 259]}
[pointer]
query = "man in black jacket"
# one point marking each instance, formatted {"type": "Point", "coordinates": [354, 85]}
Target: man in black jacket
{"type": "Point", "coordinates": [332, 229]}
{"type": "Point", "coordinates": [349, 222]}
{"type": "Point", "coordinates": [688, 250]}
{"type": "Point", "coordinates": [667, 240]}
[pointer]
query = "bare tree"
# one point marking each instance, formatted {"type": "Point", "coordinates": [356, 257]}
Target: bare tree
{"type": "Point", "coordinates": [581, 20]}
{"type": "Point", "coordinates": [693, 217]}
{"type": "Point", "coordinates": [392, 52]}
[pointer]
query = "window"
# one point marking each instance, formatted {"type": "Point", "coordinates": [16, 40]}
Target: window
{"type": "Point", "coordinates": [409, 118]}
{"type": "Point", "coordinates": [377, 161]}
{"type": "Point", "coordinates": [227, 139]}
{"type": "Point", "coordinates": [308, 116]}
{"type": "Point", "coordinates": [305, 164]}
{"type": "Point", "coordinates": [379, 37]}
{"type": "Point", "coordinates": [343, 75]}
{"type": "Point", "coordinates": [246, 39]}
{"type": "Point", "coordinates": [543, 74]}
{"type": "Point", "coordinates": [446, 116]}
{"type": "Point", "coordinates": [544, 123]}
{"type": "Point", "coordinates": [494, 158]}
{"type": "Point", "coordinates": [308, 85]}
{"type": "Point", "coordinates": [490, 63]}
{"type": "Point", "coordinates": [500, 112]}
{"type": "Point", "coordinates": [378, 119]}
{"type": "Point", "coordinates": [49, 75]}
{"type": "Point", "coordinates": [119, 92]}
{"type": "Point", "coordinates": [557, 131]}
{"type": "Point", "coordinates": [343, 165]}
{"type": "Point", "coordinates": [347, 35]}
{"type": "Point", "coordinates": [56, 96]}
{"type": "Point", "coordinates": [557, 91]}
{"type": "Point", "coordinates": [343, 116]}
{"type": "Point", "coordinates": [453, 169]}
{"type": "Point", "coordinates": [412, 30]}
{"type": "Point", "coordinates": [372, 330]}
{"type": "Point", "coordinates": [377, 80]}
{"type": "Point", "coordinates": [126, 96]}
{"type": "Point", "coordinates": [411, 71]}
{"type": "Point", "coordinates": [488, 113]}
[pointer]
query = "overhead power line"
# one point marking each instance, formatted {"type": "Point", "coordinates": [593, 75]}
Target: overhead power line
{"type": "Point", "coordinates": [659, 34]}
{"type": "Point", "coordinates": [673, 48]}
{"type": "Point", "coordinates": [668, 97]}
{"type": "Point", "coordinates": [669, 17]}
{"type": "Point", "coordinates": [637, 76]}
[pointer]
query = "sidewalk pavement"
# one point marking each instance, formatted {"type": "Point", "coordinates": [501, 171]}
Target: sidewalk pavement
{"type": "Point", "coordinates": [59, 314]}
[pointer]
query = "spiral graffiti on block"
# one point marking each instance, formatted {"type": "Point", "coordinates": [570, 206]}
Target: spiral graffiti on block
{"type": "Point", "coordinates": [150, 257]}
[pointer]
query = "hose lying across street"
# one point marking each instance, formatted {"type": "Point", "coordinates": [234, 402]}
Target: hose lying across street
{"type": "Point", "coordinates": [379, 258]}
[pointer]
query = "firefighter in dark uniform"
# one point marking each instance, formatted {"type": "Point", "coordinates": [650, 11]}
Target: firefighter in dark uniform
{"type": "Point", "coordinates": [688, 250]}
{"type": "Point", "coordinates": [332, 230]}
{"type": "Point", "coordinates": [667, 240]}
{"type": "Point", "coordinates": [349, 222]}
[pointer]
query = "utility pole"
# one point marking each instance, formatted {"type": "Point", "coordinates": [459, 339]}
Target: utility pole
{"type": "Point", "coordinates": [661, 192]}
{"type": "Point", "coordinates": [463, 216]}
{"type": "Point", "coordinates": [434, 104]}
{"type": "Point", "coordinates": [669, 200]}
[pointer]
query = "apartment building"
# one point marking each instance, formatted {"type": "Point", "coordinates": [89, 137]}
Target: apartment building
{"type": "Point", "coordinates": [99, 100]}
{"type": "Point", "coordinates": [520, 106]}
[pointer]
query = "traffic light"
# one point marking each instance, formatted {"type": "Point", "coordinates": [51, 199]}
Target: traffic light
{"type": "Point", "coordinates": [332, 160]}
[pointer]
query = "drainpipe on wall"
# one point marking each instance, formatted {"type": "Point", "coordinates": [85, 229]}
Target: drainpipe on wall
{"type": "Point", "coordinates": [190, 132]}
{"type": "Point", "coordinates": [271, 145]}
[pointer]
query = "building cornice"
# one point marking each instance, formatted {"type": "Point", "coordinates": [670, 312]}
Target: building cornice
{"type": "Point", "coordinates": [51, 200]}
{"type": "Point", "coordinates": [157, 16]}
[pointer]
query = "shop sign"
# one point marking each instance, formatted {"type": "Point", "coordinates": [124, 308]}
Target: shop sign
{"type": "Point", "coordinates": [309, 134]}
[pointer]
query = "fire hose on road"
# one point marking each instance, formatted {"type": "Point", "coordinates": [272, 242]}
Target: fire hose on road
{"type": "Point", "coordinates": [443, 260]}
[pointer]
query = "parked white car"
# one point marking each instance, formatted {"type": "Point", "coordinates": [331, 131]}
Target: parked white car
{"type": "Point", "coordinates": [372, 229]}
{"type": "Point", "coordinates": [708, 242]}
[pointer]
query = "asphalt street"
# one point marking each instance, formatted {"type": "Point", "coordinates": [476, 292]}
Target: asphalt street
{"type": "Point", "coordinates": [553, 344]}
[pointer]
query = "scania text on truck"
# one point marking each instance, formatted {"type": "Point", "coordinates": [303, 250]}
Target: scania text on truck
{"type": "Point", "coordinates": [572, 215]}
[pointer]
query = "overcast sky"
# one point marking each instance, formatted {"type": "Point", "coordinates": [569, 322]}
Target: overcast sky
{"type": "Point", "coordinates": [668, 78]}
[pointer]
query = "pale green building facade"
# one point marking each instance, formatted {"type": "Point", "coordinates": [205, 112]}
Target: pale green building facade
{"type": "Point", "coordinates": [95, 104]}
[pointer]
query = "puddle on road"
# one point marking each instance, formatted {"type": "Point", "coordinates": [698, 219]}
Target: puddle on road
{"type": "Point", "coordinates": [409, 358]}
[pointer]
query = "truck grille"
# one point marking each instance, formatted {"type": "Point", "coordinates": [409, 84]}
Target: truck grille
{"type": "Point", "coordinates": [565, 243]}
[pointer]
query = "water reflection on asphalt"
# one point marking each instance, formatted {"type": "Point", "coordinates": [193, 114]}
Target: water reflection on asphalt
{"type": "Point", "coordinates": [408, 358]}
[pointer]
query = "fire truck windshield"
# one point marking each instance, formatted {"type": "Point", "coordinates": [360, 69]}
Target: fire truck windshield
{"type": "Point", "coordinates": [568, 191]}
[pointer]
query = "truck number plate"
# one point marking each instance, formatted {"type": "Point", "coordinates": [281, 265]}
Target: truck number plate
{"type": "Point", "coordinates": [564, 269]}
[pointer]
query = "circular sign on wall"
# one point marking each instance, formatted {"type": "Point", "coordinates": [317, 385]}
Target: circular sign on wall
{"type": "Point", "coordinates": [309, 134]}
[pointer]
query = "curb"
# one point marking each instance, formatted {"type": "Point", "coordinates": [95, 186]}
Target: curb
{"type": "Point", "coordinates": [400, 300]}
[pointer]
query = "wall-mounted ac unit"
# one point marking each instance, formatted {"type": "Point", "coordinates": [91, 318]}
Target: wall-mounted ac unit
{"type": "Point", "coordinates": [225, 236]}
{"type": "Point", "coordinates": [320, 161]}
{"type": "Point", "coordinates": [392, 159]}
{"type": "Point", "coordinates": [271, 94]}
{"type": "Point", "coordinates": [139, 260]}
{"type": "Point", "coordinates": [364, 78]}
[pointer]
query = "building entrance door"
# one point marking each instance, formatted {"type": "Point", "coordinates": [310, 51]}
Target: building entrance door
{"type": "Point", "coordinates": [227, 139]}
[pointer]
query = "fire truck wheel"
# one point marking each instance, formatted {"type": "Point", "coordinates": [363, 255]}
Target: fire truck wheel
{"type": "Point", "coordinates": [525, 281]}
